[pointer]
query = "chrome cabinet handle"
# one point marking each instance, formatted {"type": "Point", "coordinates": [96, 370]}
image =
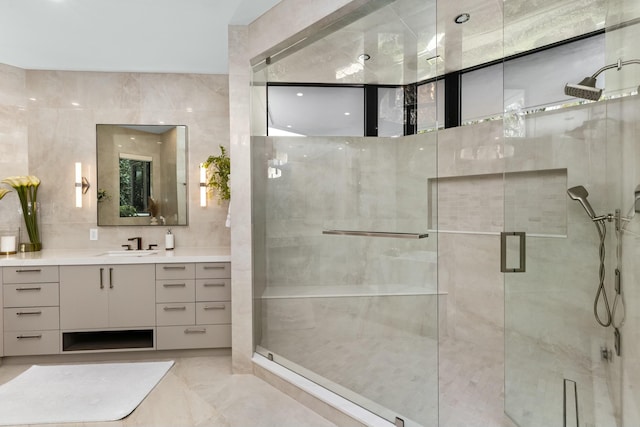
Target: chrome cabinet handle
{"type": "Point", "coordinates": [29, 313]}
{"type": "Point", "coordinates": [29, 337]}
{"type": "Point", "coordinates": [174, 285]}
{"type": "Point", "coordinates": [36, 288]}
{"type": "Point", "coordinates": [215, 307]}
{"type": "Point", "coordinates": [181, 308]}
{"type": "Point", "coordinates": [174, 267]}
{"type": "Point", "coordinates": [195, 331]}
{"type": "Point", "coordinates": [101, 282]}
{"type": "Point", "coordinates": [214, 267]}
{"type": "Point", "coordinates": [110, 277]}
{"type": "Point", "coordinates": [217, 285]}
{"type": "Point", "coordinates": [31, 270]}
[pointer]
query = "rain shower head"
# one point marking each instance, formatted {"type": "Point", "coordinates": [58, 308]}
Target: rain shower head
{"type": "Point", "coordinates": [586, 89]}
{"type": "Point", "coordinates": [580, 194]}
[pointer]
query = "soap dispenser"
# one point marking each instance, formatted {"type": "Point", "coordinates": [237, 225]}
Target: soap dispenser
{"type": "Point", "coordinates": [168, 241]}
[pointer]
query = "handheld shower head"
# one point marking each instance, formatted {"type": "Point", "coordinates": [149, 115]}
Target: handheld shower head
{"type": "Point", "coordinates": [586, 89]}
{"type": "Point", "coordinates": [580, 194]}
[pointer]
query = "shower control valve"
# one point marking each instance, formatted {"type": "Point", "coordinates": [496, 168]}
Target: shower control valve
{"type": "Point", "coordinates": [608, 217]}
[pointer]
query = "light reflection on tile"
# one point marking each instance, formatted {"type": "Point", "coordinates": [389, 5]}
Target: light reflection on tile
{"type": "Point", "coordinates": [201, 391]}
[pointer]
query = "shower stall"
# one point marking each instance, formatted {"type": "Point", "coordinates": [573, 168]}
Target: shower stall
{"type": "Point", "coordinates": [415, 247]}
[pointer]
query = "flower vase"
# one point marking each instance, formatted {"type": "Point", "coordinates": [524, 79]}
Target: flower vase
{"type": "Point", "coordinates": [31, 219]}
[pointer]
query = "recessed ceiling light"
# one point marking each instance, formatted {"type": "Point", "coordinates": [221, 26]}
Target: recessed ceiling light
{"type": "Point", "coordinates": [75, 104]}
{"type": "Point", "coordinates": [347, 113]}
{"type": "Point", "coordinates": [299, 93]}
{"type": "Point", "coordinates": [32, 99]}
{"type": "Point", "coordinates": [289, 126]}
{"type": "Point", "coordinates": [462, 18]}
{"type": "Point", "coordinates": [364, 57]}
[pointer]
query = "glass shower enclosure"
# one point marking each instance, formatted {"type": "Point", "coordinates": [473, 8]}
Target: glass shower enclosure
{"type": "Point", "coordinates": [425, 261]}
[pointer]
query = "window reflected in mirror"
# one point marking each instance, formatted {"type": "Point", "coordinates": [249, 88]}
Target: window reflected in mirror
{"type": "Point", "coordinates": [135, 185]}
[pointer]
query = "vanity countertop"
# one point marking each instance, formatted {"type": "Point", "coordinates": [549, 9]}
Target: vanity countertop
{"type": "Point", "coordinates": [99, 256]}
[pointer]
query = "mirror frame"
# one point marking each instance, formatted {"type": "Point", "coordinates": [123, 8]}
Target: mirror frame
{"type": "Point", "coordinates": [167, 145]}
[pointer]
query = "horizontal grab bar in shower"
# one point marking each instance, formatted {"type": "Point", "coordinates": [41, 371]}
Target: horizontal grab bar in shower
{"type": "Point", "coordinates": [376, 234]}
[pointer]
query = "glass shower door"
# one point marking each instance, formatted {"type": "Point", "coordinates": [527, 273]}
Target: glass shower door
{"type": "Point", "coordinates": [554, 371]}
{"type": "Point", "coordinates": [350, 295]}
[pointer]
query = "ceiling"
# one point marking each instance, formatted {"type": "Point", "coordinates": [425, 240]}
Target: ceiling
{"type": "Point", "coordinates": [168, 36]}
{"type": "Point", "coordinates": [413, 40]}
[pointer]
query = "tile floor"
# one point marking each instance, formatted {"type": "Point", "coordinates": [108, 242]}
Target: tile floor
{"type": "Point", "coordinates": [201, 391]}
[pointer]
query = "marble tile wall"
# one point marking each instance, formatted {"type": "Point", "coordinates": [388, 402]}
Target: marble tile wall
{"type": "Point", "coordinates": [52, 134]}
{"type": "Point", "coordinates": [14, 155]}
{"type": "Point", "coordinates": [349, 184]}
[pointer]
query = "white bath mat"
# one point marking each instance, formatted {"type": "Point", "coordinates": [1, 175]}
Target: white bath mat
{"type": "Point", "coordinates": [78, 393]}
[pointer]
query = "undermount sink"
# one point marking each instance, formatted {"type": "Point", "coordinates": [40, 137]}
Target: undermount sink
{"type": "Point", "coordinates": [129, 253]}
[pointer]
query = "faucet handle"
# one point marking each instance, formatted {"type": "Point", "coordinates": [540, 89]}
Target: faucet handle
{"type": "Point", "coordinates": [151, 246]}
{"type": "Point", "coordinates": [127, 247]}
{"type": "Point", "coordinates": [138, 240]}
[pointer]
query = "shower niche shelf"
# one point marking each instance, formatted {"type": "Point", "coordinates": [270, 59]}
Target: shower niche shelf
{"type": "Point", "coordinates": [533, 201]}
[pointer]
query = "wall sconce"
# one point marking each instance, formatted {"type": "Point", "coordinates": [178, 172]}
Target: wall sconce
{"type": "Point", "coordinates": [82, 185]}
{"type": "Point", "coordinates": [203, 186]}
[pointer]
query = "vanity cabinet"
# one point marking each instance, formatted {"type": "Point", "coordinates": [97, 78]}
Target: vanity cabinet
{"type": "Point", "coordinates": [31, 310]}
{"type": "Point", "coordinates": [193, 305]}
{"type": "Point", "coordinates": [114, 307]}
{"type": "Point", "coordinates": [107, 296]}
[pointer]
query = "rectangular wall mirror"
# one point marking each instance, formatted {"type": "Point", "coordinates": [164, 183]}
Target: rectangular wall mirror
{"type": "Point", "coordinates": [142, 174]}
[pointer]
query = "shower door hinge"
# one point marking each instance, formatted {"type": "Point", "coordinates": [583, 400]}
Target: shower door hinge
{"type": "Point", "coordinates": [399, 422]}
{"type": "Point", "coordinates": [504, 267]}
{"type": "Point", "coordinates": [270, 356]}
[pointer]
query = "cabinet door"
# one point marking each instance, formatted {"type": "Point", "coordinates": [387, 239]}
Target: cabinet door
{"type": "Point", "coordinates": [84, 297]}
{"type": "Point", "coordinates": [132, 296]}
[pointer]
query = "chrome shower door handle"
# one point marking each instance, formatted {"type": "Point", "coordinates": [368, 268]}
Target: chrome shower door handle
{"type": "Point", "coordinates": [505, 266]}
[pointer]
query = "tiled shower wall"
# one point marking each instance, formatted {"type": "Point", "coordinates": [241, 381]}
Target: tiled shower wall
{"type": "Point", "coordinates": [551, 333]}
{"type": "Point", "coordinates": [43, 134]}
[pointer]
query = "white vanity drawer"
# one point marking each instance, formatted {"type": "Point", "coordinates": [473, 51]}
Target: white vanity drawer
{"type": "Point", "coordinates": [213, 290]}
{"type": "Point", "coordinates": [175, 271]}
{"type": "Point", "coordinates": [31, 343]}
{"type": "Point", "coordinates": [213, 313]}
{"type": "Point", "coordinates": [175, 314]}
{"type": "Point", "coordinates": [31, 319]}
{"type": "Point", "coordinates": [35, 274]}
{"type": "Point", "coordinates": [183, 337]}
{"type": "Point", "coordinates": [177, 290]}
{"type": "Point", "coordinates": [213, 270]}
{"type": "Point", "coordinates": [31, 295]}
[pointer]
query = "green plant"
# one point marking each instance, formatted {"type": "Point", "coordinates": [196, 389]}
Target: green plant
{"type": "Point", "coordinates": [220, 168]}
{"type": "Point", "coordinates": [103, 195]}
{"type": "Point", "coordinates": [128, 210]}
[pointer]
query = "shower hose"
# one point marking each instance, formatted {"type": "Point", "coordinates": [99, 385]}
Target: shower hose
{"type": "Point", "coordinates": [602, 292]}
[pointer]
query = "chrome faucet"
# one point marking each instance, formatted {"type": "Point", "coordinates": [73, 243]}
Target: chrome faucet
{"type": "Point", "coordinates": [138, 242]}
